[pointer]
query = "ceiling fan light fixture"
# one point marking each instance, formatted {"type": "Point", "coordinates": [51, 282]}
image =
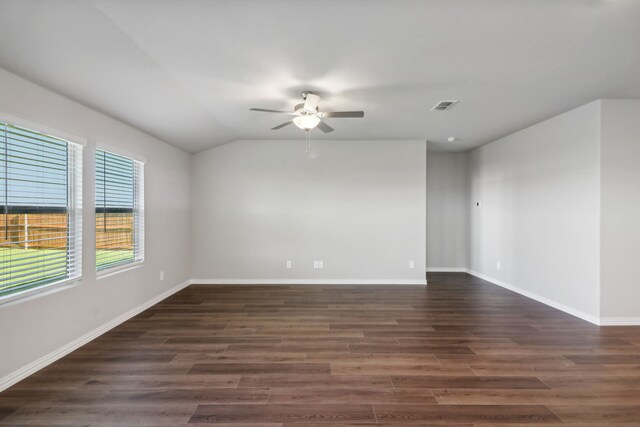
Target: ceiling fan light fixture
{"type": "Point", "coordinates": [307, 115]}
{"type": "Point", "coordinates": [306, 122]}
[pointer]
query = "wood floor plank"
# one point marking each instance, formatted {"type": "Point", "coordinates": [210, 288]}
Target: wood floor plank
{"type": "Point", "coordinates": [376, 424]}
{"type": "Point", "coordinates": [478, 382]}
{"type": "Point", "coordinates": [208, 395]}
{"type": "Point", "coordinates": [16, 396]}
{"type": "Point", "coordinates": [274, 381]}
{"type": "Point", "coordinates": [191, 339]}
{"type": "Point", "coordinates": [260, 368]}
{"type": "Point", "coordinates": [160, 382]}
{"type": "Point", "coordinates": [350, 395]}
{"type": "Point", "coordinates": [616, 397]}
{"type": "Point", "coordinates": [597, 382]}
{"type": "Point", "coordinates": [466, 396]}
{"type": "Point", "coordinates": [409, 349]}
{"type": "Point", "coordinates": [552, 340]}
{"type": "Point", "coordinates": [509, 359]}
{"type": "Point", "coordinates": [289, 348]}
{"type": "Point", "coordinates": [400, 369]}
{"type": "Point", "coordinates": [466, 413]}
{"type": "Point", "coordinates": [71, 370]}
{"type": "Point", "coordinates": [111, 358]}
{"type": "Point", "coordinates": [605, 359]}
{"type": "Point", "coordinates": [124, 415]}
{"type": "Point", "coordinates": [590, 414]}
{"type": "Point", "coordinates": [607, 424]}
{"type": "Point", "coordinates": [555, 369]}
{"type": "Point", "coordinates": [242, 357]}
{"type": "Point", "coordinates": [45, 381]}
{"type": "Point", "coordinates": [372, 358]}
{"type": "Point", "coordinates": [282, 413]}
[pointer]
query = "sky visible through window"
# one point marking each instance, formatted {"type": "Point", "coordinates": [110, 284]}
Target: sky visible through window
{"type": "Point", "coordinates": [33, 170]}
{"type": "Point", "coordinates": [114, 182]}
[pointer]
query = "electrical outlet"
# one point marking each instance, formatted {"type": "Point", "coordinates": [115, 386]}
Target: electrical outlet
{"type": "Point", "coordinates": [288, 264]}
{"type": "Point", "coordinates": [315, 264]}
{"type": "Point", "coordinates": [162, 275]}
{"type": "Point", "coordinates": [412, 264]}
{"type": "Point", "coordinates": [498, 265]}
{"type": "Point", "coordinates": [321, 264]}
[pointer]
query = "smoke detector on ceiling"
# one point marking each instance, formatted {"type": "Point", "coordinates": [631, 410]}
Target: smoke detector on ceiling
{"type": "Point", "coordinates": [445, 105]}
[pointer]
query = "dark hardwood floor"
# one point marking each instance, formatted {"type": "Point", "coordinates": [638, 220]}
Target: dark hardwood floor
{"type": "Point", "coordinates": [459, 352]}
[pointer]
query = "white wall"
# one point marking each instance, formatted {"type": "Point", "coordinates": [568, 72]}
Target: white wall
{"type": "Point", "coordinates": [33, 328]}
{"type": "Point", "coordinates": [540, 210]}
{"type": "Point", "coordinates": [447, 211]}
{"type": "Point", "coordinates": [620, 180]}
{"type": "Point", "coordinates": [357, 205]}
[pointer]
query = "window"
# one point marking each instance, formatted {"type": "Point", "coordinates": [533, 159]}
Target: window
{"type": "Point", "coordinates": [41, 218]}
{"type": "Point", "coordinates": [119, 210]}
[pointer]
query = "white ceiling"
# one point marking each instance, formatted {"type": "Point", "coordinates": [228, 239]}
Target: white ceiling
{"type": "Point", "coordinates": [187, 71]}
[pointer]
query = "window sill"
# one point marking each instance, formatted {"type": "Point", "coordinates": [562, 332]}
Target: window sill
{"type": "Point", "coordinates": [107, 272]}
{"type": "Point", "coordinates": [48, 289]}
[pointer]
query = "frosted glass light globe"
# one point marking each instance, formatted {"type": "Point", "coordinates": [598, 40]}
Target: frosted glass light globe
{"type": "Point", "coordinates": [306, 122]}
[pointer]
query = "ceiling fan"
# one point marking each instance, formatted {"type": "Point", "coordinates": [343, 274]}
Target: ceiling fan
{"type": "Point", "coordinates": [307, 115]}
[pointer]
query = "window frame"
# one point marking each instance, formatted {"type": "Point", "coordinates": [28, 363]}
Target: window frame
{"type": "Point", "coordinates": [138, 211]}
{"type": "Point", "coordinates": [75, 206]}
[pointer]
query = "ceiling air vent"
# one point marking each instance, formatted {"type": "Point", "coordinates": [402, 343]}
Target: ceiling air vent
{"type": "Point", "coordinates": [444, 105]}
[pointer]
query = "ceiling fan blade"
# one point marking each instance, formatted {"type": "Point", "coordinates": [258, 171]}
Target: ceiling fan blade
{"type": "Point", "coordinates": [343, 114]}
{"type": "Point", "coordinates": [324, 127]}
{"type": "Point", "coordinates": [311, 102]}
{"type": "Point", "coordinates": [282, 125]}
{"type": "Point", "coordinates": [270, 111]}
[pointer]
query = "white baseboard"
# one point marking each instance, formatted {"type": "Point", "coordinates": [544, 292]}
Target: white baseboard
{"type": "Point", "coordinates": [40, 363]}
{"type": "Point", "coordinates": [620, 321]}
{"type": "Point", "coordinates": [421, 282]}
{"type": "Point", "coordinates": [446, 270]}
{"type": "Point", "coordinates": [569, 310]}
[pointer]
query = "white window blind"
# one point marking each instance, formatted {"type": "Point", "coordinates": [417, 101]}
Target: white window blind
{"type": "Point", "coordinates": [119, 210]}
{"type": "Point", "coordinates": [41, 202]}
